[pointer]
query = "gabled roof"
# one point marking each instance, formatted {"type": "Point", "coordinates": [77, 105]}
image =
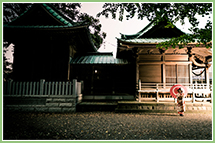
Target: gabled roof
{"type": "Point", "coordinates": [46, 16]}
{"type": "Point", "coordinates": [152, 33]}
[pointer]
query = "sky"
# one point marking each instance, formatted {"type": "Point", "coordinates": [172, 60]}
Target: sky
{"type": "Point", "coordinates": [113, 27]}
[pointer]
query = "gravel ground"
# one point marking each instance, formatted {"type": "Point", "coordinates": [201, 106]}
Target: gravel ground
{"type": "Point", "coordinates": [107, 126]}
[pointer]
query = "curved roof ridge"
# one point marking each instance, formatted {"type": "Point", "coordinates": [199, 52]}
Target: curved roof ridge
{"type": "Point", "coordinates": [143, 31]}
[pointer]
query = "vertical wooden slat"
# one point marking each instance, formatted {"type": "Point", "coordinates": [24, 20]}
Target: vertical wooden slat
{"type": "Point", "coordinates": [70, 88]}
{"type": "Point", "coordinates": [46, 88]}
{"type": "Point", "coordinates": [63, 87]}
{"type": "Point", "coordinates": [74, 90]}
{"type": "Point", "coordinates": [38, 86]}
{"type": "Point", "coordinates": [24, 89]}
{"type": "Point", "coordinates": [56, 88]}
{"type": "Point", "coordinates": [67, 84]}
{"type": "Point", "coordinates": [42, 83]}
{"type": "Point", "coordinates": [17, 87]}
{"type": "Point", "coordinates": [59, 88]}
{"type": "Point", "coordinates": [53, 83]}
{"type": "Point", "coordinates": [27, 88]}
{"type": "Point", "coordinates": [20, 88]}
{"type": "Point", "coordinates": [49, 91]}
{"type": "Point", "coordinates": [32, 88]}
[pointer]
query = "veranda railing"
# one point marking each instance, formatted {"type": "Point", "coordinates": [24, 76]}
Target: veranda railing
{"type": "Point", "coordinates": [196, 91]}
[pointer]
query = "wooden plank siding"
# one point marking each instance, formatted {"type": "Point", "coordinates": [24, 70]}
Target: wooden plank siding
{"type": "Point", "coordinates": [150, 73]}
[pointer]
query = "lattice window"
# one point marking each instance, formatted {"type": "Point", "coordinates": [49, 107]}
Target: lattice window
{"type": "Point", "coordinates": [177, 74]}
{"type": "Point", "coordinates": [170, 73]}
{"type": "Point", "coordinates": [183, 74]}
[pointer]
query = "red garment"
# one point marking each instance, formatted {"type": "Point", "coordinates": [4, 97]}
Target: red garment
{"type": "Point", "coordinates": [181, 103]}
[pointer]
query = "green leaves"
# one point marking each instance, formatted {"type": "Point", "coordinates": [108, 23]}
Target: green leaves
{"type": "Point", "coordinates": [174, 12]}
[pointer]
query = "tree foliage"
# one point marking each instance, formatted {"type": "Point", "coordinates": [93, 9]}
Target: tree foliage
{"type": "Point", "coordinates": [71, 10]}
{"type": "Point", "coordinates": [174, 12]}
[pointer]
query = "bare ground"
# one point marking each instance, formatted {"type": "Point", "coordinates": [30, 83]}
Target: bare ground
{"type": "Point", "coordinates": [107, 126]}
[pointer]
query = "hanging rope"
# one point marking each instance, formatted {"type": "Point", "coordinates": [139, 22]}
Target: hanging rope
{"type": "Point", "coordinates": [199, 73]}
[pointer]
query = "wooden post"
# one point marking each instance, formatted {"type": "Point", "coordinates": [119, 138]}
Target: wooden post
{"type": "Point", "coordinates": [20, 88]}
{"type": "Point", "coordinates": [157, 93]}
{"type": "Point", "coordinates": [63, 87]}
{"type": "Point", "coordinates": [193, 97]}
{"type": "Point", "coordinates": [23, 89]}
{"type": "Point", "coordinates": [137, 72]}
{"type": "Point", "coordinates": [67, 84]}
{"type": "Point", "coordinates": [191, 77]}
{"type": "Point", "coordinates": [34, 88]}
{"type": "Point", "coordinates": [56, 85]}
{"type": "Point", "coordinates": [53, 83]}
{"type": "Point", "coordinates": [207, 79]}
{"type": "Point", "coordinates": [82, 87]}
{"type": "Point", "coordinates": [46, 88]}
{"type": "Point", "coordinates": [38, 84]}
{"type": "Point", "coordinates": [49, 91]}
{"type": "Point", "coordinates": [164, 76]}
{"type": "Point", "coordinates": [157, 96]}
{"type": "Point", "coordinates": [59, 90]}
{"type": "Point", "coordinates": [70, 88]}
{"type": "Point", "coordinates": [74, 91]}
{"type": "Point", "coordinates": [27, 87]}
{"type": "Point", "coordinates": [42, 81]}
{"type": "Point", "coordinates": [139, 83]}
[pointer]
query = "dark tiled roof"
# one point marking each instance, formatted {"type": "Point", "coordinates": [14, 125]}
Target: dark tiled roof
{"type": "Point", "coordinates": [54, 12]}
{"type": "Point", "coordinates": [97, 59]}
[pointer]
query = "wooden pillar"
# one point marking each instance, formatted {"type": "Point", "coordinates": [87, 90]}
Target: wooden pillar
{"type": "Point", "coordinates": [139, 86]}
{"type": "Point", "coordinates": [68, 76]}
{"type": "Point", "coordinates": [163, 68]}
{"type": "Point", "coordinates": [137, 72]}
{"type": "Point", "coordinates": [74, 90]}
{"type": "Point", "coordinates": [207, 79]}
{"type": "Point", "coordinates": [164, 75]}
{"type": "Point", "coordinates": [190, 74]}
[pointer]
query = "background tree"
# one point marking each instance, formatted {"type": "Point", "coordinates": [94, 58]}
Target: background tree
{"type": "Point", "coordinates": [173, 12]}
{"type": "Point", "coordinates": [72, 10]}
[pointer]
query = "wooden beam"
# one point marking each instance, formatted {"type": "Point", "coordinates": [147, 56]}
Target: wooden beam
{"type": "Point", "coordinates": [167, 63]}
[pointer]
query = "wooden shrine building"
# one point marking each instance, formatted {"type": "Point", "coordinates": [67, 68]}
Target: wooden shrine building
{"type": "Point", "coordinates": [50, 46]}
{"type": "Point", "coordinates": [159, 69]}
{"type": "Point", "coordinates": [45, 40]}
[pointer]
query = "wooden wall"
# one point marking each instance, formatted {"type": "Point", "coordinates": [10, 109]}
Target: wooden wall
{"type": "Point", "coordinates": [171, 66]}
{"type": "Point", "coordinates": [150, 73]}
